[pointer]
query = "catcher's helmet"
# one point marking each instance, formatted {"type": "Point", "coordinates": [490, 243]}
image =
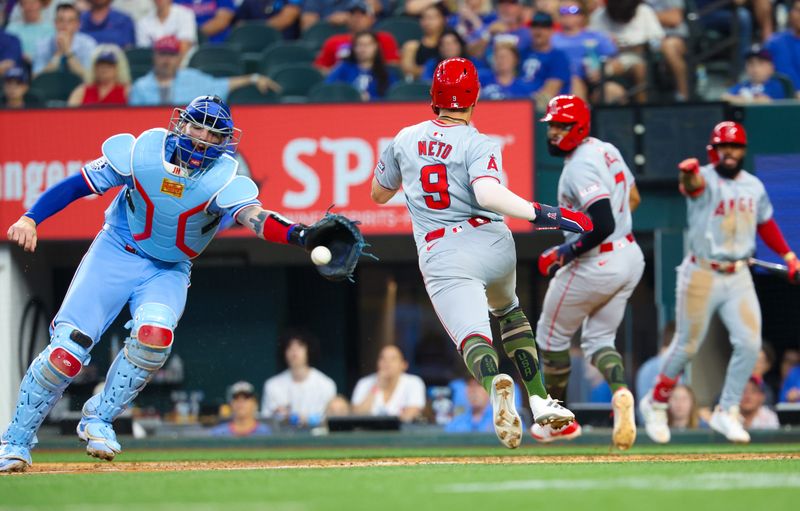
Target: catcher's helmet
{"type": "Point", "coordinates": [569, 109]}
{"type": "Point", "coordinates": [455, 85]}
{"type": "Point", "coordinates": [726, 132]}
{"type": "Point", "coordinates": [209, 112]}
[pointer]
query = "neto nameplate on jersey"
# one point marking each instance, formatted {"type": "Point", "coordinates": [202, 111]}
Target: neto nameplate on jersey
{"type": "Point", "coordinates": [172, 188]}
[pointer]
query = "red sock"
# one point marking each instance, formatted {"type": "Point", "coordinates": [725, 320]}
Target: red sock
{"type": "Point", "coordinates": [663, 388]}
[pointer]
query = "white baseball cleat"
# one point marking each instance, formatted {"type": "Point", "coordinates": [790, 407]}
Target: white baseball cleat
{"type": "Point", "coordinates": [729, 423]}
{"type": "Point", "coordinates": [548, 433]}
{"type": "Point", "coordinates": [548, 411]}
{"type": "Point", "coordinates": [655, 419]}
{"type": "Point", "coordinates": [624, 433]}
{"type": "Point", "coordinates": [101, 441]}
{"type": "Point", "coordinates": [507, 423]}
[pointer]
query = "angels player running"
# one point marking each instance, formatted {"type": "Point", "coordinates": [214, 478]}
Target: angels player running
{"type": "Point", "coordinates": [726, 207]}
{"type": "Point", "coordinates": [175, 186]}
{"type": "Point", "coordinates": [451, 177]}
{"type": "Point", "coordinates": [594, 273]}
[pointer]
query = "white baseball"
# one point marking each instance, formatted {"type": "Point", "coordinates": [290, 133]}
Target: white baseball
{"type": "Point", "coordinates": [320, 255]}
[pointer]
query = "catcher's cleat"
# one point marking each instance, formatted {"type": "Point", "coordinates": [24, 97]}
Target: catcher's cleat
{"type": "Point", "coordinates": [14, 458]}
{"type": "Point", "coordinates": [547, 433]}
{"type": "Point", "coordinates": [548, 411]}
{"type": "Point", "coordinates": [654, 414]}
{"type": "Point", "coordinates": [507, 423]}
{"type": "Point", "coordinates": [101, 441]}
{"type": "Point", "coordinates": [729, 423]}
{"type": "Point", "coordinates": [624, 433]}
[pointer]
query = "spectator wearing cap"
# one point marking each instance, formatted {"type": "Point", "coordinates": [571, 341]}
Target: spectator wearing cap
{"type": "Point", "coordinates": [338, 47]}
{"type": "Point", "coordinates": [415, 53]}
{"type": "Point", "coordinates": [283, 15]}
{"type": "Point", "coordinates": [10, 51]}
{"type": "Point", "coordinates": [15, 90]}
{"type": "Point", "coordinates": [588, 51]}
{"type": "Point", "coordinates": [168, 84]}
{"type": "Point", "coordinates": [546, 69]}
{"type": "Point", "coordinates": [168, 19]}
{"type": "Point", "coordinates": [509, 27]}
{"type": "Point", "coordinates": [470, 19]}
{"type": "Point", "coordinates": [785, 47]}
{"type": "Point", "coordinates": [244, 413]}
{"type": "Point", "coordinates": [106, 82]}
{"type": "Point", "coordinates": [760, 86]}
{"type": "Point", "coordinates": [391, 391]}
{"type": "Point", "coordinates": [69, 49]}
{"type": "Point", "coordinates": [214, 17]}
{"type": "Point", "coordinates": [32, 29]}
{"type": "Point", "coordinates": [107, 25]}
{"type": "Point", "coordinates": [300, 394]}
{"type": "Point", "coordinates": [756, 415]}
{"type": "Point", "coordinates": [504, 82]}
{"type": "Point", "coordinates": [364, 68]}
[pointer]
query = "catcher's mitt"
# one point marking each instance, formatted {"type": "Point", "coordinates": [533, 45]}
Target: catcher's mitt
{"type": "Point", "coordinates": [343, 238]}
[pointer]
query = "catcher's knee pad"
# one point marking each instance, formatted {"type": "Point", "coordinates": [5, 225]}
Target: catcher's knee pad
{"type": "Point", "coordinates": [151, 338]}
{"type": "Point", "coordinates": [63, 359]}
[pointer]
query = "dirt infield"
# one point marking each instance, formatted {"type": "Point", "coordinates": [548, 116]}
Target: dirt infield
{"type": "Point", "coordinates": [175, 466]}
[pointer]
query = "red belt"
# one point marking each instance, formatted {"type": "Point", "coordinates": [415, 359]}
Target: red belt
{"type": "Point", "coordinates": [721, 267]}
{"type": "Point", "coordinates": [475, 221]}
{"type": "Point", "coordinates": [608, 247]}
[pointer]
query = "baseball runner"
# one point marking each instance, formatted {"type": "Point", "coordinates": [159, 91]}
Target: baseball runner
{"type": "Point", "coordinates": [726, 207]}
{"type": "Point", "coordinates": [451, 177]}
{"type": "Point", "coordinates": [593, 273]}
{"type": "Point", "coordinates": [176, 185]}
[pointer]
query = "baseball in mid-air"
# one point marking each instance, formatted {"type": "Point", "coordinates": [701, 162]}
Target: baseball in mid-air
{"type": "Point", "coordinates": [320, 255]}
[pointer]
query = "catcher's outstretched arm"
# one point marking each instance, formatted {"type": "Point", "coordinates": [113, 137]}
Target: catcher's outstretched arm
{"type": "Point", "coordinates": [380, 194]}
{"type": "Point", "coordinates": [271, 226]}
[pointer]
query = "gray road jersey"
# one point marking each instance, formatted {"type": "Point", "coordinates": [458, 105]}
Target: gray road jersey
{"type": "Point", "coordinates": [723, 219]}
{"type": "Point", "coordinates": [436, 165]}
{"type": "Point", "coordinates": [595, 171]}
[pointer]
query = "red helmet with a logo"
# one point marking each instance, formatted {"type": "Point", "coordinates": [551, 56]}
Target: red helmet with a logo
{"type": "Point", "coordinates": [569, 109]}
{"type": "Point", "coordinates": [455, 85]}
{"type": "Point", "coordinates": [726, 132]}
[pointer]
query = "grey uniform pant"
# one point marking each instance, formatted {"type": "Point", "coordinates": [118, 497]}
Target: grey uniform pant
{"type": "Point", "coordinates": [469, 272]}
{"type": "Point", "coordinates": [591, 292]}
{"type": "Point", "coordinates": [700, 293]}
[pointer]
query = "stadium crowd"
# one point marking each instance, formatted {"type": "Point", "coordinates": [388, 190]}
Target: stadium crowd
{"type": "Point", "coordinates": [151, 52]}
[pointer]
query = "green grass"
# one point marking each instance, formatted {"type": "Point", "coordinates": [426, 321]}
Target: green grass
{"type": "Point", "coordinates": [640, 486]}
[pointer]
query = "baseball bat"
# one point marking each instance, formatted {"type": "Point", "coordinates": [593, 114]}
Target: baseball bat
{"type": "Point", "coordinates": [776, 269]}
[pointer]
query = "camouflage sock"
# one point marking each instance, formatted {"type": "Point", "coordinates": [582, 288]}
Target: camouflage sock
{"type": "Point", "coordinates": [556, 367]}
{"type": "Point", "coordinates": [609, 362]}
{"type": "Point", "coordinates": [520, 346]}
{"type": "Point", "coordinates": [481, 360]}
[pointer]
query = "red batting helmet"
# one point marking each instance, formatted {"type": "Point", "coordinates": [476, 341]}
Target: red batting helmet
{"type": "Point", "coordinates": [455, 85]}
{"type": "Point", "coordinates": [726, 132]}
{"type": "Point", "coordinates": [569, 110]}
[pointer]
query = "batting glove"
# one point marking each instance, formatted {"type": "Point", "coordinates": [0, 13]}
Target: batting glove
{"type": "Point", "coordinates": [793, 267]}
{"type": "Point", "coordinates": [554, 258]}
{"type": "Point", "coordinates": [689, 166]}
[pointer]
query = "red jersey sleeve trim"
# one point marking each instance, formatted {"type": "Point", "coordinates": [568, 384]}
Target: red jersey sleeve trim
{"type": "Point", "coordinates": [484, 177]}
{"type": "Point", "coordinates": [89, 182]}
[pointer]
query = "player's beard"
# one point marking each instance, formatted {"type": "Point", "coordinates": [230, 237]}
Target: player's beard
{"type": "Point", "coordinates": [728, 172]}
{"type": "Point", "coordinates": [556, 151]}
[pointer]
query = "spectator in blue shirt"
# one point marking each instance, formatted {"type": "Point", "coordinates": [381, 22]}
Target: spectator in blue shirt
{"type": "Point", "coordinates": [167, 84]}
{"type": "Point", "coordinates": [32, 29]}
{"type": "Point", "coordinates": [761, 86]}
{"type": "Point", "coordinates": [790, 390]}
{"type": "Point", "coordinates": [545, 68]}
{"type": "Point", "coordinates": [68, 49]}
{"type": "Point", "coordinates": [335, 12]}
{"type": "Point", "coordinates": [364, 68]}
{"type": "Point", "coordinates": [107, 25]}
{"type": "Point", "coordinates": [509, 27]}
{"type": "Point", "coordinates": [10, 51]}
{"type": "Point", "coordinates": [451, 45]}
{"type": "Point", "coordinates": [471, 18]}
{"type": "Point", "coordinates": [785, 47]}
{"type": "Point", "coordinates": [244, 410]}
{"type": "Point", "coordinates": [214, 17]}
{"type": "Point", "coordinates": [503, 82]}
{"type": "Point", "coordinates": [477, 418]}
{"type": "Point", "coordinates": [586, 50]}
{"type": "Point", "coordinates": [283, 15]}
